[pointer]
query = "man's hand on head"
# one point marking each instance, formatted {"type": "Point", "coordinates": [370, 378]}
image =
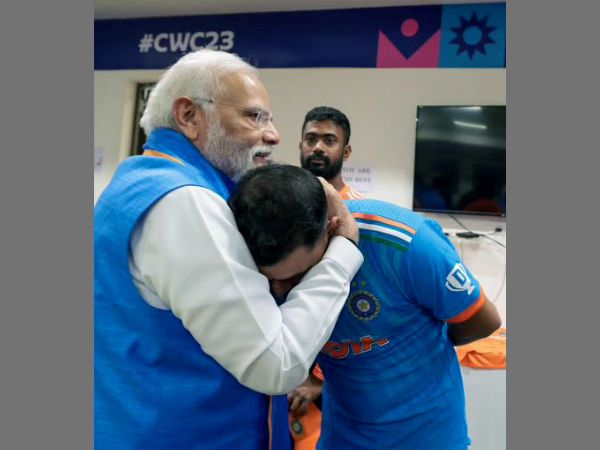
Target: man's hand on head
{"type": "Point", "coordinates": [341, 222]}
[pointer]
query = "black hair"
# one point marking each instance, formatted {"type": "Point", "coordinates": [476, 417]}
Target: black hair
{"type": "Point", "coordinates": [322, 113]}
{"type": "Point", "coordinates": [279, 208]}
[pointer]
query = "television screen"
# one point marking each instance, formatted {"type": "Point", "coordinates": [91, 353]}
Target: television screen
{"type": "Point", "coordinates": [460, 160]}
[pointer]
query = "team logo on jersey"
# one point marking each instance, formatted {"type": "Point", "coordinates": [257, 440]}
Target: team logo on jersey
{"type": "Point", "coordinates": [458, 280]}
{"type": "Point", "coordinates": [363, 305]}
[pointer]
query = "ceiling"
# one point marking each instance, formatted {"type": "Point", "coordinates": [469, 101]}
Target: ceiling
{"type": "Point", "coordinates": [121, 9]}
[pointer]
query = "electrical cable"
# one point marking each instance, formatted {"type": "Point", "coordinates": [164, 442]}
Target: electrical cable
{"type": "Point", "coordinates": [485, 235]}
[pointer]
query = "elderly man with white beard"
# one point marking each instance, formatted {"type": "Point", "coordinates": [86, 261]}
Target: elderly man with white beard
{"type": "Point", "coordinates": [189, 344]}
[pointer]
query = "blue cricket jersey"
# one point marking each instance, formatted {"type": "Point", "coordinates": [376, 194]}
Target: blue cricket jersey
{"type": "Point", "coordinates": [392, 379]}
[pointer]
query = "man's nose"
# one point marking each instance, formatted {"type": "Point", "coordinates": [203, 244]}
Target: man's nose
{"type": "Point", "coordinates": [271, 135]}
{"type": "Point", "coordinates": [318, 149]}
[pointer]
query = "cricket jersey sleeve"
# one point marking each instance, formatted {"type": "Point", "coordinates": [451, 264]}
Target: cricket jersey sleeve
{"type": "Point", "coordinates": [437, 279]}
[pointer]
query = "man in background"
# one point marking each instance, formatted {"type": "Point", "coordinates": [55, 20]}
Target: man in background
{"type": "Point", "coordinates": [392, 379]}
{"type": "Point", "coordinates": [325, 146]}
{"type": "Point", "coordinates": [188, 340]}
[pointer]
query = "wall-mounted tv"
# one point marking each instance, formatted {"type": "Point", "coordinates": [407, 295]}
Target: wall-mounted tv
{"type": "Point", "coordinates": [460, 160]}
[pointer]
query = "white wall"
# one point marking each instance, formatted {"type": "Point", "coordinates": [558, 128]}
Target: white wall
{"type": "Point", "coordinates": [381, 105]}
{"type": "Point", "coordinates": [114, 99]}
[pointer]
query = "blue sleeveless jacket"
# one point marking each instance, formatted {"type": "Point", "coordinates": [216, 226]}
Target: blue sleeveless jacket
{"type": "Point", "coordinates": [154, 387]}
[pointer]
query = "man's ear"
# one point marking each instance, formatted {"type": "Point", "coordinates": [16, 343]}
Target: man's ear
{"type": "Point", "coordinates": [332, 225]}
{"type": "Point", "coordinates": [190, 118]}
{"type": "Point", "coordinates": [347, 152]}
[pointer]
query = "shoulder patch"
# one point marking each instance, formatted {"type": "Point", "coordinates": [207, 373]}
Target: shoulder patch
{"type": "Point", "coordinates": [458, 280]}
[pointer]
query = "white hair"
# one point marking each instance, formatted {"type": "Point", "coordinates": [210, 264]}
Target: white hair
{"type": "Point", "coordinates": [196, 75]}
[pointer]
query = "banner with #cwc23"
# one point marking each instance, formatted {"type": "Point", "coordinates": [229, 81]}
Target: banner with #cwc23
{"type": "Point", "coordinates": [460, 36]}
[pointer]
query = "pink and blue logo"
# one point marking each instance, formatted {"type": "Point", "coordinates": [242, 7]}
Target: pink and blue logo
{"type": "Point", "coordinates": [412, 39]}
{"type": "Point", "coordinates": [448, 36]}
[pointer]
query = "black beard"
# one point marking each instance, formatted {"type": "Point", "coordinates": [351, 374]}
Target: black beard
{"type": "Point", "coordinates": [329, 170]}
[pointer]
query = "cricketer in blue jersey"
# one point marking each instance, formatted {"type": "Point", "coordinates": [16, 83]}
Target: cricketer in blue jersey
{"type": "Point", "coordinates": [392, 378]}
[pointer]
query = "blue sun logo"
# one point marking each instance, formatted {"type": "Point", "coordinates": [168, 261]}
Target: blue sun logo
{"type": "Point", "coordinates": [472, 35]}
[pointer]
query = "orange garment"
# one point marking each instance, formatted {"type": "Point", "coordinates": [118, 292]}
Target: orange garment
{"type": "Point", "coordinates": [488, 353]}
{"type": "Point", "coordinates": [348, 193]}
{"type": "Point", "coordinates": [318, 373]}
{"type": "Point", "coordinates": [306, 429]}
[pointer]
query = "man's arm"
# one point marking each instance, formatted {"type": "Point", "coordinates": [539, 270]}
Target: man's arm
{"type": "Point", "coordinates": [483, 323]}
{"type": "Point", "coordinates": [441, 283]}
{"type": "Point", "coordinates": [190, 256]}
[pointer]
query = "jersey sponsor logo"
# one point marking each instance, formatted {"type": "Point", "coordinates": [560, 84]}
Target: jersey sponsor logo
{"type": "Point", "coordinates": [340, 350]}
{"type": "Point", "coordinates": [458, 280]}
{"type": "Point", "coordinates": [363, 305]}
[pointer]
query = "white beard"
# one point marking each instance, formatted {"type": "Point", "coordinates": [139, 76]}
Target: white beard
{"type": "Point", "coordinates": [231, 157]}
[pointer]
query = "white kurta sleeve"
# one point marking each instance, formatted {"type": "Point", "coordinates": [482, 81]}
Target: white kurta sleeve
{"type": "Point", "coordinates": [187, 255]}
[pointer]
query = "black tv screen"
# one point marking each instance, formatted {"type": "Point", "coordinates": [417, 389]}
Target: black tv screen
{"type": "Point", "coordinates": [460, 160]}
